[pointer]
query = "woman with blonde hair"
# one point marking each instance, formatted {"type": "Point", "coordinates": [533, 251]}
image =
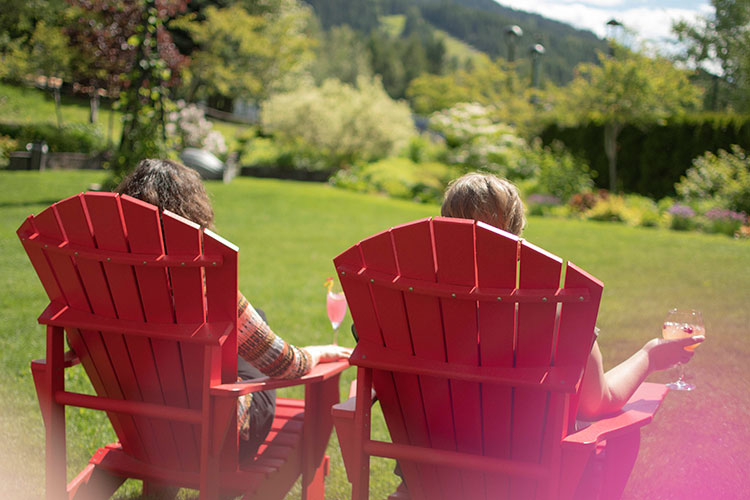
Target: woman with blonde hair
{"type": "Point", "coordinates": [496, 201]}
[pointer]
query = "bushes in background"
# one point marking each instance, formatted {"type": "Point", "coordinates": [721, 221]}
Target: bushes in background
{"type": "Point", "coordinates": [723, 178]}
{"type": "Point", "coordinates": [74, 137]}
{"type": "Point", "coordinates": [338, 123]}
{"type": "Point", "coordinates": [398, 178]}
{"type": "Point", "coordinates": [652, 159]}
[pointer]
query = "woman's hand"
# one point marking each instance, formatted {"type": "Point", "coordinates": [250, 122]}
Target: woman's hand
{"type": "Point", "coordinates": [326, 353]}
{"type": "Point", "coordinates": [663, 353]}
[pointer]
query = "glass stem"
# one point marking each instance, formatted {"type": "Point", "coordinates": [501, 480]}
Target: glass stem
{"type": "Point", "coordinates": [681, 368]}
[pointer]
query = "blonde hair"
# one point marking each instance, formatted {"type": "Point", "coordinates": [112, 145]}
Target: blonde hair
{"type": "Point", "coordinates": [486, 198]}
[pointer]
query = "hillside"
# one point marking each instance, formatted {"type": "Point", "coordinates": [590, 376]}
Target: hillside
{"type": "Point", "coordinates": [481, 24]}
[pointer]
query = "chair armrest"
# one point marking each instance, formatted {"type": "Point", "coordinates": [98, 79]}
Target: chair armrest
{"type": "Point", "coordinates": [69, 359]}
{"type": "Point", "coordinates": [637, 412]}
{"type": "Point", "coordinates": [346, 408]}
{"type": "Point", "coordinates": [321, 372]}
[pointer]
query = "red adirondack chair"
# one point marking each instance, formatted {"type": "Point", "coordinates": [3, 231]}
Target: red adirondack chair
{"type": "Point", "coordinates": [476, 353]}
{"type": "Point", "coordinates": [149, 304]}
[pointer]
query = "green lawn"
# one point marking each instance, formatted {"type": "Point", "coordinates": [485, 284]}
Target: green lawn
{"type": "Point", "coordinates": [288, 233]}
{"type": "Point", "coordinates": [31, 105]}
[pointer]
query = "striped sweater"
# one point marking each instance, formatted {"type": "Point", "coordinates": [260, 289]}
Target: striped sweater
{"type": "Point", "coordinates": [269, 353]}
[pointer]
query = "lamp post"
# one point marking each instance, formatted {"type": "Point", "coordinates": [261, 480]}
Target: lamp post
{"type": "Point", "coordinates": [536, 51]}
{"type": "Point", "coordinates": [512, 34]}
{"type": "Point", "coordinates": [613, 27]}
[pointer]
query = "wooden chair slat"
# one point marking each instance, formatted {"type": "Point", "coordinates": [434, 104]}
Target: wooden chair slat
{"type": "Point", "coordinates": [535, 340]}
{"type": "Point", "coordinates": [132, 356]}
{"type": "Point", "coordinates": [413, 244]}
{"type": "Point", "coordinates": [401, 393]}
{"type": "Point", "coordinates": [461, 330]}
{"type": "Point", "coordinates": [496, 268]}
{"type": "Point", "coordinates": [182, 237]}
{"type": "Point", "coordinates": [90, 293]}
{"type": "Point", "coordinates": [144, 235]}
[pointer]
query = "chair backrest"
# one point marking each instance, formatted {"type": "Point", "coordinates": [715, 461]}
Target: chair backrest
{"type": "Point", "coordinates": [475, 347]}
{"type": "Point", "coordinates": [149, 305]}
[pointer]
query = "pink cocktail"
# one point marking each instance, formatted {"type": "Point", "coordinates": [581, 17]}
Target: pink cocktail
{"type": "Point", "coordinates": [336, 307]}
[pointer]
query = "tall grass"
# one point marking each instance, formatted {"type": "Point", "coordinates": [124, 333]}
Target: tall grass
{"type": "Point", "coordinates": [288, 233]}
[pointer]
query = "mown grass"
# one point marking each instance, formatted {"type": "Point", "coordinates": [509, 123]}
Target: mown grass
{"type": "Point", "coordinates": [26, 105]}
{"type": "Point", "coordinates": [288, 233]}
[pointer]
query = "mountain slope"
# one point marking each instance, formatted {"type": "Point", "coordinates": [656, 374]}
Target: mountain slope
{"type": "Point", "coordinates": [481, 24]}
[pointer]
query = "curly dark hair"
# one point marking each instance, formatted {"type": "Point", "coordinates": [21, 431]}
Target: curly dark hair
{"type": "Point", "coordinates": [170, 186]}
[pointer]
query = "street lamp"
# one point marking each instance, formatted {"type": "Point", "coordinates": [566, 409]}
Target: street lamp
{"type": "Point", "coordinates": [613, 28]}
{"type": "Point", "coordinates": [536, 51]}
{"type": "Point", "coordinates": [512, 34]}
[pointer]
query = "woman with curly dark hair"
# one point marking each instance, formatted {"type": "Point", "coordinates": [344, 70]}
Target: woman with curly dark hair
{"type": "Point", "coordinates": [172, 186]}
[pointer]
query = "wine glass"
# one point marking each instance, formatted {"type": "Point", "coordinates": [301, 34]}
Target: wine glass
{"type": "Point", "coordinates": [681, 323]}
{"type": "Point", "coordinates": [336, 307]}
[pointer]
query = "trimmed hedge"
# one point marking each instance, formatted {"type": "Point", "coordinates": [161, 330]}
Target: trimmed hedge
{"type": "Point", "coordinates": [652, 159]}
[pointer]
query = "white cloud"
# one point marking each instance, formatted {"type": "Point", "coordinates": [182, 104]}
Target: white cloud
{"type": "Point", "coordinates": [650, 21]}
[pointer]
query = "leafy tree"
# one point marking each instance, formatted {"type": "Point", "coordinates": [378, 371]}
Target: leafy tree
{"type": "Point", "coordinates": [18, 20]}
{"type": "Point", "coordinates": [487, 83]}
{"type": "Point", "coordinates": [244, 54]}
{"type": "Point", "coordinates": [144, 100]}
{"type": "Point", "coordinates": [721, 41]}
{"type": "Point", "coordinates": [101, 32]}
{"type": "Point", "coordinates": [341, 54]}
{"type": "Point", "coordinates": [33, 44]}
{"type": "Point", "coordinates": [626, 88]}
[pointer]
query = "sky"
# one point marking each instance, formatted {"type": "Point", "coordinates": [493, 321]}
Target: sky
{"type": "Point", "coordinates": [651, 20]}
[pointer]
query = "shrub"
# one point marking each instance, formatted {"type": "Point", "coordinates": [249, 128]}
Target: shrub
{"type": "Point", "coordinates": [339, 123]}
{"type": "Point", "coordinates": [641, 211]}
{"type": "Point", "coordinates": [188, 127]}
{"type": "Point", "coordinates": [70, 138]}
{"type": "Point", "coordinates": [476, 142]}
{"type": "Point", "coordinates": [724, 177]}
{"type": "Point", "coordinates": [7, 144]}
{"type": "Point", "coordinates": [426, 147]}
{"type": "Point", "coordinates": [610, 208]}
{"type": "Point", "coordinates": [582, 202]}
{"type": "Point", "coordinates": [541, 204]}
{"type": "Point", "coordinates": [398, 178]}
{"type": "Point", "coordinates": [557, 171]}
{"type": "Point", "coordinates": [681, 217]}
{"type": "Point", "coordinates": [724, 221]}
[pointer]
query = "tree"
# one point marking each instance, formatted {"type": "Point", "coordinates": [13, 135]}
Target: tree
{"type": "Point", "coordinates": [248, 55]}
{"type": "Point", "coordinates": [489, 83]}
{"type": "Point", "coordinates": [144, 100]}
{"type": "Point", "coordinates": [721, 41]}
{"type": "Point", "coordinates": [626, 88]}
{"type": "Point", "coordinates": [342, 55]}
{"type": "Point", "coordinates": [102, 34]}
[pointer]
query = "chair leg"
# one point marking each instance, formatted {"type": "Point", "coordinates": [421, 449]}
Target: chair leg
{"type": "Point", "coordinates": [94, 483]}
{"type": "Point", "coordinates": [313, 487]}
{"type": "Point", "coordinates": [55, 452]}
{"type": "Point", "coordinates": [620, 455]}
